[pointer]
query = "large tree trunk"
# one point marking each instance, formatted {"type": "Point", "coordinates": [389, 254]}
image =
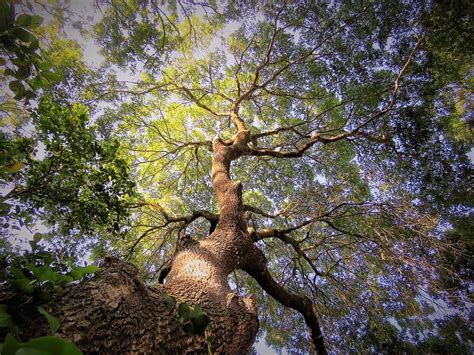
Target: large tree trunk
{"type": "Point", "coordinates": [116, 313]}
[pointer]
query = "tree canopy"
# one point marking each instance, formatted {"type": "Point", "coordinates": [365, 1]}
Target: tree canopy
{"type": "Point", "coordinates": [356, 179]}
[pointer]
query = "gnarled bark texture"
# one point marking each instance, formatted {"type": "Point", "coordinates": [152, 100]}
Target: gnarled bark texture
{"type": "Point", "coordinates": [116, 313]}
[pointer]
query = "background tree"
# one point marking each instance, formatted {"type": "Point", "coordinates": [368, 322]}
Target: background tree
{"type": "Point", "coordinates": [347, 127]}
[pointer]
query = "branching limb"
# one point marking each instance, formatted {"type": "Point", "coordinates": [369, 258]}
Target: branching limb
{"type": "Point", "coordinates": [211, 217]}
{"type": "Point", "coordinates": [298, 152]}
{"type": "Point", "coordinates": [323, 137]}
{"type": "Point", "coordinates": [295, 244]}
{"type": "Point", "coordinates": [259, 271]}
{"type": "Point", "coordinates": [180, 221]}
{"type": "Point", "coordinates": [260, 212]}
{"type": "Point", "coordinates": [198, 101]}
{"type": "Point", "coordinates": [277, 233]}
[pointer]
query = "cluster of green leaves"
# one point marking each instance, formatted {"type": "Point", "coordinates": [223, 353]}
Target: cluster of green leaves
{"type": "Point", "coordinates": [451, 334]}
{"type": "Point", "coordinates": [12, 156]}
{"type": "Point", "coordinates": [76, 182]}
{"type": "Point", "coordinates": [31, 280]}
{"type": "Point", "coordinates": [44, 174]}
{"type": "Point", "coordinates": [19, 49]}
{"type": "Point", "coordinates": [192, 319]}
{"type": "Point", "coordinates": [38, 272]}
{"type": "Point", "coordinates": [34, 277]}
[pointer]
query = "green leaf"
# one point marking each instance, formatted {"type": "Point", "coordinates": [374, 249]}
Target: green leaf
{"type": "Point", "coordinates": [19, 62]}
{"type": "Point", "coordinates": [45, 65]}
{"type": "Point", "coordinates": [6, 320]}
{"type": "Point", "coordinates": [170, 301]}
{"type": "Point", "coordinates": [30, 351]}
{"type": "Point", "coordinates": [11, 345]}
{"type": "Point", "coordinates": [23, 285]}
{"type": "Point", "coordinates": [183, 312]}
{"type": "Point", "coordinates": [22, 34]}
{"type": "Point", "coordinates": [189, 328]}
{"type": "Point", "coordinates": [52, 345]}
{"type": "Point", "coordinates": [50, 76]}
{"type": "Point", "coordinates": [78, 272]}
{"type": "Point", "coordinates": [65, 279]}
{"type": "Point", "coordinates": [33, 245]}
{"type": "Point", "coordinates": [6, 12]}
{"type": "Point", "coordinates": [36, 83]}
{"type": "Point", "coordinates": [200, 323]}
{"type": "Point", "coordinates": [44, 273]}
{"type": "Point", "coordinates": [15, 86]}
{"type": "Point", "coordinates": [23, 20]}
{"type": "Point", "coordinates": [4, 208]}
{"type": "Point", "coordinates": [23, 72]}
{"type": "Point", "coordinates": [183, 308]}
{"type": "Point", "coordinates": [35, 21]}
{"type": "Point", "coordinates": [15, 167]}
{"type": "Point", "coordinates": [197, 311]}
{"type": "Point", "coordinates": [20, 95]}
{"type": "Point", "coordinates": [90, 269]}
{"type": "Point", "coordinates": [52, 321]}
{"type": "Point", "coordinates": [75, 274]}
{"type": "Point", "coordinates": [17, 273]}
{"type": "Point", "coordinates": [8, 71]}
{"type": "Point", "coordinates": [34, 43]}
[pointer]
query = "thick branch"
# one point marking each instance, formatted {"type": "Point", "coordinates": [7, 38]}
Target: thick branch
{"type": "Point", "coordinates": [297, 153]}
{"type": "Point", "coordinates": [260, 212]}
{"type": "Point", "coordinates": [228, 193]}
{"type": "Point", "coordinates": [278, 233]}
{"type": "Point", "coordinates": [259, 271]}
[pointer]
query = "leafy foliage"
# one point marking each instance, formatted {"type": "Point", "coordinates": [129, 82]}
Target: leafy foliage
{"type": "Point", "coordinates": [44, 345]}
{"type": "Point", "coordinates": [34, 278]}
{"type": "Point", "coordinates": [19, 47]}
{"type": "Point", "coordinates": [84, 192]}
{"type": "Point", "coordinates": [361, 118]}
{"type": "Point", "coordinates": [193, 319]}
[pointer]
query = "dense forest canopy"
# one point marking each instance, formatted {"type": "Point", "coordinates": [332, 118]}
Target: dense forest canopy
{"type": "Point", "coordinates": [355, 171]}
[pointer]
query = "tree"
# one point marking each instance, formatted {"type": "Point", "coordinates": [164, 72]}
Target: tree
{"type": "Point", "coordinates": [309, 152]}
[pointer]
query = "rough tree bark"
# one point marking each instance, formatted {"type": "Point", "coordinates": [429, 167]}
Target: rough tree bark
{"type": "Point", "coordinates": [115, 312]}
